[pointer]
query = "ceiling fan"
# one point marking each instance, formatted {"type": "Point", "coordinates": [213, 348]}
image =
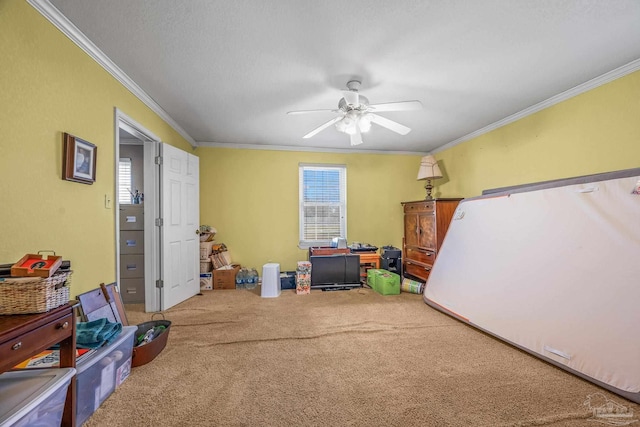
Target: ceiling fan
{"type": "Point", "coordinates": [355, 114]}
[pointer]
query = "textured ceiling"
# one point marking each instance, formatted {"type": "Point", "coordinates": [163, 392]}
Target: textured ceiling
{"type": "Point", "coordinates": [228, 71]}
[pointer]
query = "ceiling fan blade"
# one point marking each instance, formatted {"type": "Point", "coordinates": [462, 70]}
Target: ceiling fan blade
{"type": "Point", "coordinates": [390, 124]}
{"type": "Point", "coordinates": [396, 106]}
{"type": "Point", "coordinates": [351, 97]}
{"type": "Point", "coordinates": [322, 127]}
{"type": "Point", "coordinates": [311, 111]}
{"type": "Point", "coordinates": [356, 138]}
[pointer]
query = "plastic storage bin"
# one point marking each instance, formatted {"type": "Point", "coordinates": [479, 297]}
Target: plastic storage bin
{"type": "Point", "coordinates": [288, 280]}
{"type": "Point", "coordinates": [383, 282]}
{"type": "Point", "coordinates": [388, 283]}
{"type": "Point", "coordinates": [34, 397]}
{"type": "Point", "coordinates": [99, 374]}
{"type": "Point", "coordinates": [372, 273]}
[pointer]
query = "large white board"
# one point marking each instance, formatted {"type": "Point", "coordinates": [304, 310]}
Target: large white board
{"type": "Point", "coordinates": [553, 268]}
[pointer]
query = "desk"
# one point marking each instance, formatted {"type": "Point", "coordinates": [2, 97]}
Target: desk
{"type": "Point", "coordinates": [25, 335]}
{"type": "Point", "coordinates": [325, 250]}
{"type": "Point", "coordinates": [367, 260]}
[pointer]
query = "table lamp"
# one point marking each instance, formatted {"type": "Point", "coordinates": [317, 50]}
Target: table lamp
{"type": "Point", "coordinates": [429, 170]}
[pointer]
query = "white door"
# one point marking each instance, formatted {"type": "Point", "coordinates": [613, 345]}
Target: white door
{"type": "Point", "coordinates": [180, 213]}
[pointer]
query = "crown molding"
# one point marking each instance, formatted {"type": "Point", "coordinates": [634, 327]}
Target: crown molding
{"type": "Point", "coordinates": [563, 96]}
{"type": "Point", "coordinates": [61, 22]}
{"type": "Point", "coordinates": [305, 149]}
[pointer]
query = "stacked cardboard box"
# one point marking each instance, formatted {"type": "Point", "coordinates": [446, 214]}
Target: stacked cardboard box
{"type": "Point", "coordinates": [205, 250]}
{"type": "Point", "coordinates": [303, 278]}
{"type": "Point", "coordinates": [205, 253]}
{"type": "Point", "coordinates": [206, 281]}
{"type": "Point", "coordinates": [220, 256]}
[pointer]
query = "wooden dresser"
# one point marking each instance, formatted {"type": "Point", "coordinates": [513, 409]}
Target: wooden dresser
{"type": "Point", "coordinates": [25, 335]}
{"type": "Point", "coordinates": [425, 225]}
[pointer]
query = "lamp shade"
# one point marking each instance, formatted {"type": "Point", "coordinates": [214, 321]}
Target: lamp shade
{"type": "Point", "coordinates": [429, 168]}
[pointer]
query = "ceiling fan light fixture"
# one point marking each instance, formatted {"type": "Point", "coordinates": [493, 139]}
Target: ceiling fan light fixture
{"type": "Point", "coordinates": [354, 121]}
{"type": "Point", "coordinates": [364, 123]}
{"type": "Point", "coordinates": [343, 125]}
{"type": "Point", "coordinates": [356, 114]}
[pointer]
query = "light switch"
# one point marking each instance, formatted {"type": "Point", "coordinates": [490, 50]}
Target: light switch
{"type": "Point", "coordinates": [107, 201]}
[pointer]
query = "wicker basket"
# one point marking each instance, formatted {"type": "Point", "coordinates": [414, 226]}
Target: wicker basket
{"type": "Point", "coordinates": [26, 295]}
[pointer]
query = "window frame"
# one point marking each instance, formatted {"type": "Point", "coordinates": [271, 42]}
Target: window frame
{"type": "Point", "coordinates": [342, 169]}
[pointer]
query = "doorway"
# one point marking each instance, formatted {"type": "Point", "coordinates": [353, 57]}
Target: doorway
{"type": "Point", "coordinates": [136, 207]}
{"type": "Point", "coordinates": [157, 214]}
{"type": "Point", "coordinates": [130, 196]}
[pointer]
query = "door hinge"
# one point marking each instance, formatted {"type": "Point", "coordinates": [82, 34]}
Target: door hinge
{"type": "Point", "coordinates": [158, 160]}
{"type": "Point", "coordinates": [159, 222]}
{"type": "Point", "coordinates": [159, 284]}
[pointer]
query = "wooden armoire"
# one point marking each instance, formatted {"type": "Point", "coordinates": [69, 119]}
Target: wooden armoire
{"type": "Point", "coordinates": [425, 225]}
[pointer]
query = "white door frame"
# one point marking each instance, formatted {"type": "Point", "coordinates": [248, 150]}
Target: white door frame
{"type": "Point", "coordinates": [151, 192]}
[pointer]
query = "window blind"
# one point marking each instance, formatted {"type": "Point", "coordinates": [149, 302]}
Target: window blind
{"type": "Point", "coordinates": [322, 203]}
{"type": "Point", "coordinates": [124, 181]}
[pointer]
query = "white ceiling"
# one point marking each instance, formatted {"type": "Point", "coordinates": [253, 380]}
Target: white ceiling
{"type": "Point", "coordinates": [227, 72]}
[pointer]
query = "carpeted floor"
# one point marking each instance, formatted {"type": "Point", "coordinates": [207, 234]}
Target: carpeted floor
{"type": "Point", "coordinates": [341, 358]}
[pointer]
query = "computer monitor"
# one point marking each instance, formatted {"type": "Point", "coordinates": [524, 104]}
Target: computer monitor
{"type": "Point", "coordinates": [335, 271]}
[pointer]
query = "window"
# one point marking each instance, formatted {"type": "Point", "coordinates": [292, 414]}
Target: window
{"type": "Point", "coordinates": [124, 181]}
{"type": "Point", "coordinates": [323, 203]}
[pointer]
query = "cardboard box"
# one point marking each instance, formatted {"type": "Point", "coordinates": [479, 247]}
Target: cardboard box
{"type": "Point", "coordinates": [303, 278]}
{"type": "Point", "coordinates": [205, 266]}
{"type": "Point", "coordinates": [303, 283]}
{"type": "Point", "coordinates": [206, 281]}
{"type": "Point", "coordinates": [225, 278]}
{"type": "Point", "coordinates": [205, 250]}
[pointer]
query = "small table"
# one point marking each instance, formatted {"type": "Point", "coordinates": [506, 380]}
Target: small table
{"type": "Point", "coordinates": [25, 335]}
{"type": "Point", "coordinates": [367, 260]}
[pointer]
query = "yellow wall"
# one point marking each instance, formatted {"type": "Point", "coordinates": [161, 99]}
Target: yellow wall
{"type": "Point", "coordinates": [597, 131]}
{"type": "Point", "coordinates": [48, 86]}
{"type": "Point", "coordinates": [251, 198]}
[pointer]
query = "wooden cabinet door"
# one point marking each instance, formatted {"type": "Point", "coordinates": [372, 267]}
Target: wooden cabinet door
{"type": "Point", "coordinates": [411, 230]}
{"type": "Point", "coordinates": [427, 233]}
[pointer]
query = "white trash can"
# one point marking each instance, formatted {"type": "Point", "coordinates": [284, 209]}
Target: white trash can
{"type": "Point", "coordinates": [270, 280]}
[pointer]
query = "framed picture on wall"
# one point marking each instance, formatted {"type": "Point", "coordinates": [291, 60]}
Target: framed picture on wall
{"type": "Point", "coordinates": [79, 160]}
